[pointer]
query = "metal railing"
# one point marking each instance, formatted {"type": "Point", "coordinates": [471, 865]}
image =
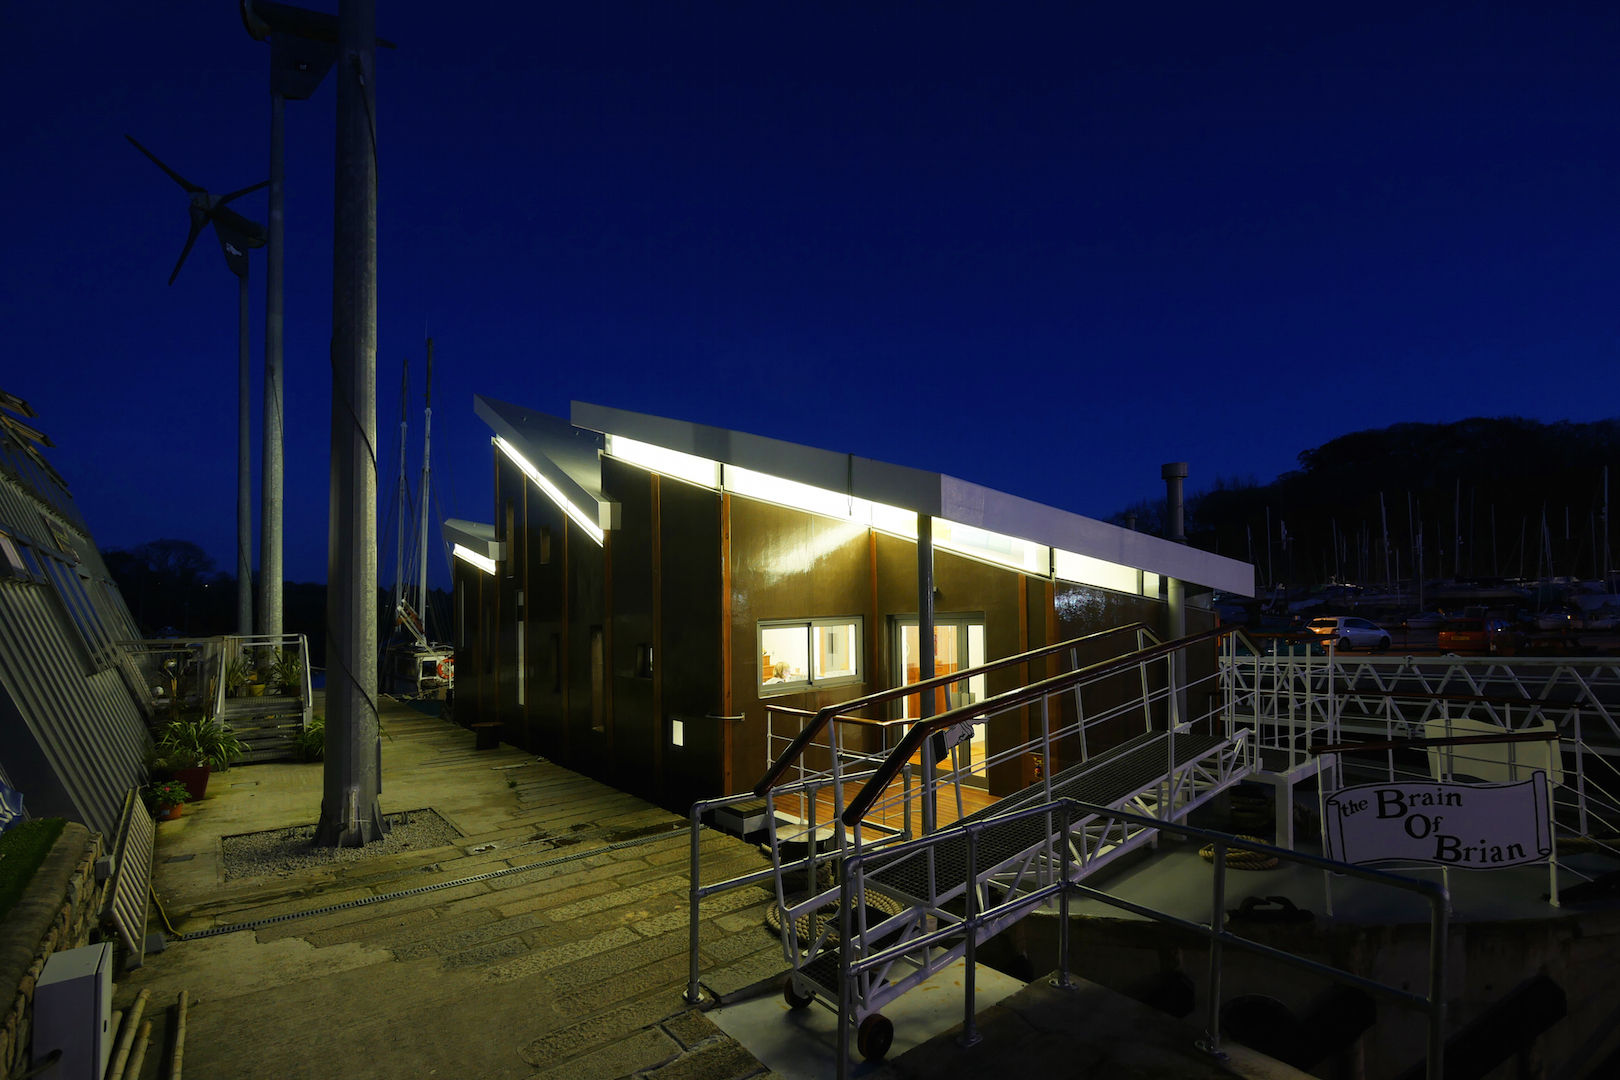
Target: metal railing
{"type": "Point", "coordinates": [812, 730]}
{"type": "Point", "coordinates": [858, 967]}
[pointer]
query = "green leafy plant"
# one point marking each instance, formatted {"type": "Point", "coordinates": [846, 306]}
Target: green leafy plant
{"type": "Point", "coordinates": [312, 740]}
{"type": "Point", "coordinates": [237, 673]}
{"type": "Point", "coordinates": [162, 794]}
{"type": "Point", "coordinates": [287, 671]}
{"type": "Point", "coordinates": [193, 741]}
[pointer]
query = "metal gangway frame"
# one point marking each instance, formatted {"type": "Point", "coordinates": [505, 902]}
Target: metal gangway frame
{"type": "Point", "coordinates": [1176, 763]}
{"type": "Point", "coordinates": [1070, 826]}
{"type": "Point", "coordinates": [816, 762]}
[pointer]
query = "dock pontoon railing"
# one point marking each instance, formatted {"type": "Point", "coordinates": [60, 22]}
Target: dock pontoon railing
{"type": "Point", "coordinates": [1069, 815]}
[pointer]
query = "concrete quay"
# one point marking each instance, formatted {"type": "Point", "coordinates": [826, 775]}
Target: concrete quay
{"type": "Point", "coordinates": [548, 941]}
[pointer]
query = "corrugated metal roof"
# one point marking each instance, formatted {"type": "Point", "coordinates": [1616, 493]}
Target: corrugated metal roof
{"type": "Point", "coordinates": [72, 736]}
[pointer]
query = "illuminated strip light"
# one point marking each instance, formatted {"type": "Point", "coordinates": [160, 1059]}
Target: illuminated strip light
{"type": "Point", "coordinates": [990, 546]}
{"type": "Point", "coordinates": [467, 554]}
{"type": "Point", "coordinates": [1085, 570]}
{"type": "Point", "coordinates": [816, 500]}
{"type": "Point", "coordinates": [702, 471]}
{"type": "Point", "coordinates": [578, 516]}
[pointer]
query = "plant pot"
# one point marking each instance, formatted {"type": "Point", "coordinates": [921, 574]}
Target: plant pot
{"type": "Point", "coordinates": [255, 689]}
{"type": "Point", "coordinates": [195, 779]}
{"type": "Point", "coordinates": [169, 813]}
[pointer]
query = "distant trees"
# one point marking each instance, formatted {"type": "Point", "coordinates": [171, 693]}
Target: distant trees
{"type": "Point", "coordinates": [173, 585]}
{"type": "Point", "coordinates": [1468, 498]}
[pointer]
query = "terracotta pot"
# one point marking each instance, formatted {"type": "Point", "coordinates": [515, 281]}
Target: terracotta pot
{"type": "Point", "coordinates": [169, 813]}
{"type": "Point", "coordinates": [196, 781]}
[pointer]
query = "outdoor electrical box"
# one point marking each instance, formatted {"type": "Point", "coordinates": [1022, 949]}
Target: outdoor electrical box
{"type": "Point", "coordinates": [73, 1012]}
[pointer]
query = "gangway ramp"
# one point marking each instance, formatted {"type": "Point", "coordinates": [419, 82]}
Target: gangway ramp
{"type": "Point", "coordinates": [969, 881]}
{"type": "Point", "coordinates": [946, 890]}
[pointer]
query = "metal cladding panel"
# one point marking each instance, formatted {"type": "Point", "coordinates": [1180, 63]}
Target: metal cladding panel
{"type": "Point", "coordinates": [879, 481]}
{"type": "Point", "coordinates": [997, 511]}
{"type": "Point", "coordinates": [83, 733]}
{"type": "Point", "coordinates": [564, 455]}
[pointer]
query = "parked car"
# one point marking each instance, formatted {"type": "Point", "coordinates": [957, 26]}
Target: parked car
{"type": "Point", "coordinates": [1476, 636]}
{"type": "Point", "coordinates": [1349, 632]}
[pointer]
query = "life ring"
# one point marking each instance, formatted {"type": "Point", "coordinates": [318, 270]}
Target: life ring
{"type": "Point", "coordinates": [447, 669]}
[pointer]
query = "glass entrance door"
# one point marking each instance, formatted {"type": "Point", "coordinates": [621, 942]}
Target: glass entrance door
{"type": "Point", "coordinates": [958, 645]}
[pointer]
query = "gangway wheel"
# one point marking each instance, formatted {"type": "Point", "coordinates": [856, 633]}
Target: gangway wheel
{"type": "Point", "coordinates": [875, 1036]}
{"type": "Point", "coordinates": [794, 999]}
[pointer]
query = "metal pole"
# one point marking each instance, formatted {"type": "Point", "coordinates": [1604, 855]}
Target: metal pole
{"type": "Point", "coordinates": [350, 813]}
{"type": "Point", "coordinates": [970, 1031]}
{"type": "Point", "coordinates": [270, 495]}
{"type": "Point", "coordinates": [427, 471]}
{"type": "Point", "coordinates": [244, 467]}
{"type": "Point", "coordinates": [1174, 473]}
{"type": "Point", "coordinates": [694, 993]}
{"type": "Point", "coordinates": [1217, 925]}
{"type": "Point", "coordinates": [925, 656]}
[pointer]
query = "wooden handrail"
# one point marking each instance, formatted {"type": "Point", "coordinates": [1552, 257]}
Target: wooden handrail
{"type": "Point", "coordinates": [785, 760]}
{"type": "Point", "coordinates": [891, 766]}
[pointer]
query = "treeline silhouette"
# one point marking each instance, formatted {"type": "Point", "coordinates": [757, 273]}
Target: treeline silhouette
{"type": "Point", "coordinates": [174, 589]}
{"type": "Point", "coordinates": [1475, 499]}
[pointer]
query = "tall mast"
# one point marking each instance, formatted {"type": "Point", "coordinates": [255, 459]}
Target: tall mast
{"type": "Point", "coordinates": [427, 469]}
{"type": "Point", "coordinates": [403, 504]}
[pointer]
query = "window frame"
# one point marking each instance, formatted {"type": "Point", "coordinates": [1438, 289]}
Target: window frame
{"type": "Point", "coordinates": [810, 683]}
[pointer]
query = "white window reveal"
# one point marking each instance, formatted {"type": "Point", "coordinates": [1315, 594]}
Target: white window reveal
{"type": "Point", "coordinates": [803, 654]}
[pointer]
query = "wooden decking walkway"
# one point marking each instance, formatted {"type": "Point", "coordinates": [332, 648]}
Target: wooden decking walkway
{"type": "Point", "coordinates": [572, 968]}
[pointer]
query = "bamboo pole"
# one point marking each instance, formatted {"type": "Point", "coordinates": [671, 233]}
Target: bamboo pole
{"type": "Point", "coordinates": [179, 1035]}
{"type": "Point", "coordinates": [126, 1034]}
{"type": "Point", "coordinates": [138, 1057]}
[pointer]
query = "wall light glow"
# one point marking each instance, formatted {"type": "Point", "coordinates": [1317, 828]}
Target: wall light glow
{"type": "Point", "coordinates": [578, 516]}
{"type": "Point", "coordinates": [467, 554]}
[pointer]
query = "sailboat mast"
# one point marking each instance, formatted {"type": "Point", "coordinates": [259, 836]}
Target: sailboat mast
{"type": "Point", "coordinates": [427, 469]}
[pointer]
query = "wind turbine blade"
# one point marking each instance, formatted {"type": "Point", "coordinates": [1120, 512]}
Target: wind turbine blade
{"type": "Point", "coordinates": [191, 238]}
{"type": "Point", "coordinates": [176, 177]}
{"type": "Point", "coordinates": [247, 190]}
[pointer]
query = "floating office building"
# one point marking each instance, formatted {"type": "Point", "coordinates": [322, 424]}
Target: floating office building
{"type": "Point", "coordinates": [649, 587]}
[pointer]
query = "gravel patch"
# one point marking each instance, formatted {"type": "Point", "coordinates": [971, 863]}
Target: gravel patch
{"type": "Point", "coordinates": [284, 852]}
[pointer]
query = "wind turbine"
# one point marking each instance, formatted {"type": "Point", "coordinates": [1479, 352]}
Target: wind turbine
{"type": "Point", "coordinates": [236, 235]}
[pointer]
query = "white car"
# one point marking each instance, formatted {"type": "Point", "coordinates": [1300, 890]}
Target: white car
{"type": "Point", "coordinates": [1350, 632]}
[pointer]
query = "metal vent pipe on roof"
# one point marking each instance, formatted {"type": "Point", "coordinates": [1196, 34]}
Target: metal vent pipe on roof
{"type": "Point", "coordinates": [1174, 473]}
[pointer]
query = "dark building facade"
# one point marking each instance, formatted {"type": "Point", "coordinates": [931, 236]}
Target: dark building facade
{"type": "Point", "coordinates": [648, 587]}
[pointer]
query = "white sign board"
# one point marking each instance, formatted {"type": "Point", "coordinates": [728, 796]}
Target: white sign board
{"type": "Point", "coordinates": [1462, 826]}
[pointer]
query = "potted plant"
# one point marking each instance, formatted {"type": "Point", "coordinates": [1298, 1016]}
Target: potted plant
{"type": "Point", "coordinates": [287, 672]}
{"type": "Point", "coordinates": [165, 798]}
{"type": "Point", "coordinates": [236, 675]}
{"type": "Point", "coordinates": [194, 746]}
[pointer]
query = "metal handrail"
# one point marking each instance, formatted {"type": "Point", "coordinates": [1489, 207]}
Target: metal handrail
{"type": "Point", "coordinates": [823, 716]}
{"type": "Point", "coordinates": [1023, 695]}
{"type": "Point", "coordinates": [1433, 1003]}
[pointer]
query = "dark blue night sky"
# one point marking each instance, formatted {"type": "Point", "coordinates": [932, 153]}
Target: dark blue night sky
{"type": "Point", "coordinates": [1040, 247]}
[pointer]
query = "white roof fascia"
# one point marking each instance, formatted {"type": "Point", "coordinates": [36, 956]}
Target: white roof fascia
{"type": "Point", "coordinates": [476, 536]}
{"type": "Point", "coordinates": [878, 481]}
{"type": "Point", "coordinates": [926, 493]}
{"type": "Point", "coordinates": [562, 453]}
{"type": "Point", "coordinates": [1039, 523]}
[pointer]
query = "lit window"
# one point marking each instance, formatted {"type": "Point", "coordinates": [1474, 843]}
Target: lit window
{"type": "Point", "coordinates": [801, 654]}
